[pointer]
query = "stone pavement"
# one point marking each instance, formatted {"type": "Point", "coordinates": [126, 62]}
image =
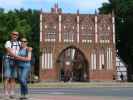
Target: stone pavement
{"type": "Point", "coordinates": [77, 97]}
{"type": "Point", "coordinates": [61, 97]}
{"type": "Point", "coordinates": [70, 97]}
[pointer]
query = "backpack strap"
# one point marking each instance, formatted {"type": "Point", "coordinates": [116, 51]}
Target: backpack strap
{"type": "Point", "coordinates": [27, 51]}
{"type": "Point", "coordinates": [11, 44]}
{"type": "Point", "coordinates": [18, 44]}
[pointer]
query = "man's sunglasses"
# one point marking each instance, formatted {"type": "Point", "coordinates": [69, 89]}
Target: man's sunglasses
{"type": "Point", "coordinates": [15, 34]}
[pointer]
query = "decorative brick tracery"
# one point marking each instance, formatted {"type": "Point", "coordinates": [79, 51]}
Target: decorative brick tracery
{"type": "Point", "coordinates": [100, 55]}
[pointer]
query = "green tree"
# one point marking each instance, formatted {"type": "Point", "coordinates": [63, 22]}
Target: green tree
{"type": "Point", "coordinates": [124, 31]}
{"type": "Point", "coordinates": [23, 28]}
{"type": "Point", "coordinates": [24, 21]}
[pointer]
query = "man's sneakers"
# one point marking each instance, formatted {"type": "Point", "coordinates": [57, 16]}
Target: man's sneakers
{"type": "Point", "coordinates": [12, 95]}
{"type": "Point", "coordinates": [6, 96]}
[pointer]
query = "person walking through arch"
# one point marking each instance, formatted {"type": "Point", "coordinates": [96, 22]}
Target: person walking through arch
{"type": "Point", "coordinates": [122, 77]}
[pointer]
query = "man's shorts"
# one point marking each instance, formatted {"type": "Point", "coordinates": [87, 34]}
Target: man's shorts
{"type": "Point", "coordinates": [9, 69]}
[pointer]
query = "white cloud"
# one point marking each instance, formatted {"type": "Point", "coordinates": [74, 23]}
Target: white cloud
{"type": "Point", "coordinates": [41, 1]}
{"type": "Point", "coordinates": [66, 5]}
{"type": "Point", "coordinates": [84, 4]}
{"type": "Point", "coordinates": [10, 3]}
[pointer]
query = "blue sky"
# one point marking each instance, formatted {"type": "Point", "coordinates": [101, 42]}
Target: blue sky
{"type": "Point", "coordinates": [68, 6]}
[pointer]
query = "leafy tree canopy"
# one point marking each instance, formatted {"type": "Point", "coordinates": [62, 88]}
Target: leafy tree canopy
{"type": "Point", "coordinates": [24, 21]}
{"type": "Point", "coordinates": [123, 10]}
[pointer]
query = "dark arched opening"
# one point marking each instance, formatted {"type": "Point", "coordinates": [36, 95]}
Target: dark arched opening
{"type": "Point", "coordinates": [73, 65]}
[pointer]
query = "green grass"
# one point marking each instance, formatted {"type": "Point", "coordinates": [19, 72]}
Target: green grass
{"type": "Point", "coordinates": [76, 84]}
{"type": "Point", "coordinates": [61, 85]}
{"type": "Point", "coordinates": [57, 85]}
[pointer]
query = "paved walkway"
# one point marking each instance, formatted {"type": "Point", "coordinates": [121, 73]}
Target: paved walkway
{"type": "Point", "coordinates": [63, 97]}
{"type": "Point", "coordinates": [57, 97]}
{"type": "Point", "coordinates": [76, 97]}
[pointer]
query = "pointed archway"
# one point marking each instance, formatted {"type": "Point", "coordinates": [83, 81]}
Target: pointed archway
{"type": "Point", "coordinates": [73, 65]}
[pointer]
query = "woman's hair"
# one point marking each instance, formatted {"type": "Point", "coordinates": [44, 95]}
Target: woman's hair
{"type": "Point", "coordinates": [24, 39]}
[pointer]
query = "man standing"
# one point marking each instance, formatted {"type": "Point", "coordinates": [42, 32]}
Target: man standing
{"type": "Point", "coordinates": [12, 48]}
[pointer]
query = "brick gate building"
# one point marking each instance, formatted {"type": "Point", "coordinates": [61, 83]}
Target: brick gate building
{"type": "Point", "coordinates": [83, 44]}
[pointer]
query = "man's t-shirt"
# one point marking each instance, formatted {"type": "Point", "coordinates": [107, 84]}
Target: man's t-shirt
{"type": "Point", "coordinates": [14, 46]}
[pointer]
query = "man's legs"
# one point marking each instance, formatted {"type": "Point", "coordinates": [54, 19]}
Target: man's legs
{"type": "Point", "coordinates": [13, 81]}
{"type": "Point", "coordinates": [9, 87]}
{"type": "Point", "coordinates": [7, 75]}
{"type": "Point", "coordinates": [6, 87]}
{"type": "Point", "coordinates": [12, 87]}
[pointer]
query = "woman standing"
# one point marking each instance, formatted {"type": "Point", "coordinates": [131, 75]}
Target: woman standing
{"type": "Point", "coordinates": [24, 66]}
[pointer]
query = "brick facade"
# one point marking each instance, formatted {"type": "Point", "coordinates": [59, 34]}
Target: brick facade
{"type": "Point", "coordinates": [91, 34]}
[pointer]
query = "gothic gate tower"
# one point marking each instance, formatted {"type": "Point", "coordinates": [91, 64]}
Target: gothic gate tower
{"type": "Point", "coordinates": [82, 44]}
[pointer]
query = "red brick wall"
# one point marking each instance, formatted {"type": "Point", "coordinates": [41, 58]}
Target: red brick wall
{"type": "Point", "coordinates": [101, 75]}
